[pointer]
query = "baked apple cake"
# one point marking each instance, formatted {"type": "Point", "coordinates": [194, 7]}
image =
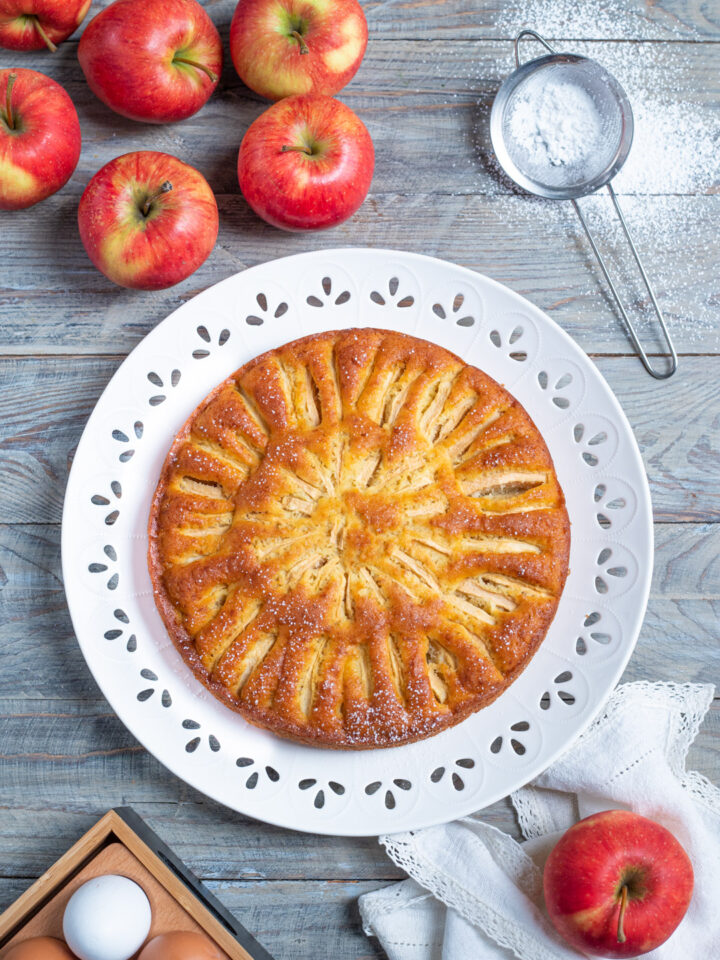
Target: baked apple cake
{"type": "Point", "coordinates": [357, 539]}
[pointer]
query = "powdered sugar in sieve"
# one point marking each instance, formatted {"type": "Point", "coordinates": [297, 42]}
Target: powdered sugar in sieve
{"type": "Point", "coordinates": [562, 127]}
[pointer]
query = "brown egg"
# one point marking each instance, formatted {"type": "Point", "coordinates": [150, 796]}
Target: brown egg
{"type": "Point", "coordinates": [182, 945]}
{"type": "Point", "coordinates": [39, 948]}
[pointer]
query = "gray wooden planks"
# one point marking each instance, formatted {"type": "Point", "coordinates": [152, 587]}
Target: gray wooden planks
{"type": "Point", "coordinates": [290, 918]}
{"type": "Point", "coordinates": [60, 737]}
{"type": "Point", "coordinates": [52, 300]}
{"type": "Point", "coordinates": [424, 90]}
{"type": "Point", "coordinates": [478, 19]}
{"type": "Point", "coordinates": [666, 19]}
{"type": "Point", "coordinates": [44, 403]}
{"type": "Point", "coordinates": [72, 763]}
{"type": "Point", "coordinates": [41, 659]}
{"type": "Point", "coordinates": [426, 106]}
{"type": "Point", "coordinates": [324, 920]}
{"type": "Point", "coordinates": [59, 748]}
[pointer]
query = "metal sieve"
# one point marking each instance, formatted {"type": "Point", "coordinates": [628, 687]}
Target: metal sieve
{"type": "Point", "coordinates": [583, 176]}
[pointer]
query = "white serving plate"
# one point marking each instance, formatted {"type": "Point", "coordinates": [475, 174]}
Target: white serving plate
{"type": "Point", "coordinates": [347, 792]}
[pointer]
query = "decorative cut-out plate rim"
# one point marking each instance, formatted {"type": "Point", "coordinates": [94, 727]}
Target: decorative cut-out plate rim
{"type": "Point", "coordinates": [496, 750]}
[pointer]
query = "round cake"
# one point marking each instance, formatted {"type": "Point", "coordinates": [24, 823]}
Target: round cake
{"type": "Point", "coordinates": [358, 539]}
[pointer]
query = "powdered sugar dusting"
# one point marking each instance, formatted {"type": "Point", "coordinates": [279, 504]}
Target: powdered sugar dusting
{"type": "Point", "coordinates": [556, 123]}
{"type": "Point", "coordinates": [592, 19]}
{"type": "Point", "coordinates": [669, 186]}
{"type": "Point", "coordinates": [676, 237]}
{"type": "Point", "coordinates": [678, 243]}
{"type": "Point", "coordinates": [676, 147]}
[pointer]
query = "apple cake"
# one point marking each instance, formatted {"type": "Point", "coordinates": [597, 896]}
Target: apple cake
{"type": "Point", "coordinates": [358, 539]}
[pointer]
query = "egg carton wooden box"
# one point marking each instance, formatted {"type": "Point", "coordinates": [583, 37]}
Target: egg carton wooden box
{"type": "Point", "coordinates": [122, 843]}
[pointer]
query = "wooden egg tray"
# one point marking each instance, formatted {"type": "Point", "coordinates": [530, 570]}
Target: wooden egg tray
{"type": "Point", "coordinates": [121, 843]}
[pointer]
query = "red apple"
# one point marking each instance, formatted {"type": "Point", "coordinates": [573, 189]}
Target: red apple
{"type": "Point", "coordinates": [285, 47]}
{"type": "Point", "coordinates": [152, 60]}
{"type": "Point", "coordinates": [148, 220]}
{"type": "Point", "coordinates": [39, 138]}
{"type": "Point", "coordinates": [306, 163]}
{"type": "Point", "coordinates": [34, 24]}
{"type": "Point", "coordinates": [617, 884]}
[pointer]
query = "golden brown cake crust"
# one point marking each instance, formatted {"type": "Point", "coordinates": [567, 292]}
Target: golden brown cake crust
{"type": "Point", "coordinates": [357, 539]}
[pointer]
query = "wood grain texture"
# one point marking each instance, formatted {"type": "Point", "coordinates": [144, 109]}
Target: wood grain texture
{"type": "Point", "coordinates": [167, 913]}
{"type": "Point", "coordinates": [424, 90]}
{"type": "Point", "coordinates": [469, 19]}
{"type": "Point", "coordinates": [213, 841]}
{"type": "Point", "coordinates": [59, 736]}
{"type": "Point", "coordinates": [425, 104]}
{"type": "Point", "coordinates": [684, 603]}
{"type": "Point", "coordinates": [44, 403]}
{"type": "Point", "coordinates": [663, 19]}
{"type": "Point", "coordinates": [290, 918]}
{"type": "Point", "coordinates": [48, 803]}
{"type": "Point", "coordinates": [52, 300]}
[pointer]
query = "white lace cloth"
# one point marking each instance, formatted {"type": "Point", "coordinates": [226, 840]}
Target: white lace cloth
{"type": "Point", "coordinates": [476, 894]}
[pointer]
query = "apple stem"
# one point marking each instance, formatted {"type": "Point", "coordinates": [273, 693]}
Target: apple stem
{"type": "Point", "coordinates": [46, 39]}
{"type": "Point", "coordinates": [286, 148]}
{"type": "Point", "coordinates": [301, 40]}
{"type": "Point", "coordinates": [8, 101]}
{"type": "Point", "coordinates": [164, 188]}
{"type": "Point", "coordinates": [621, 938]}
{"type": "Point", "coordinates": [200, 66]}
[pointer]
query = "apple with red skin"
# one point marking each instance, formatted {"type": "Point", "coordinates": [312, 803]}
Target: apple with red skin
{"type": "Point", "coordinates": [157, 61]}
{"type": "Point", "coordinates": [34, 24]}
{"type": "Point", "coordinates": [148, 220]}
{"type": "Point", "coordinates": [40, 138]}
{"type": "Point", "coordinates": [306, 163]}
{"type": "Point", "coordinates": [282, 48]}
{"type": "Point", "coordinates": [617, 884]}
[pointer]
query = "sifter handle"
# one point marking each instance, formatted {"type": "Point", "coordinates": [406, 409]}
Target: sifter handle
{"type": "Point", "coordinates": [536, 36]}
{"type": "Point", "coordinates": [671, 355]}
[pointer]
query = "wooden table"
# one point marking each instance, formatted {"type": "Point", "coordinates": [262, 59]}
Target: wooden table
{"type": "Point", "coordinates": [430, 71]}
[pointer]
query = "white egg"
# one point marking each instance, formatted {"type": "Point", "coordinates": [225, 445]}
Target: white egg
{"type": "Point", "coordinates": [107, 918]}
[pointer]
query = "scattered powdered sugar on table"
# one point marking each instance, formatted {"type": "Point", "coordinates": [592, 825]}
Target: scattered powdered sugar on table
{"type": "Point", "coordinates": [669, 186]}
{"type": "Point", "coordinates": [555, 122]}
{"type": "Point", "coordinates": [675, 152]}
{"type": "Point", "coordinates": [591, 19]}
{"type": "Point", "coordinates": [676, 146]}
